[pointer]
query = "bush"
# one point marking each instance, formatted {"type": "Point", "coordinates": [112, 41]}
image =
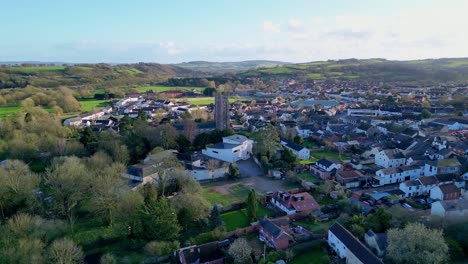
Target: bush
{"type": "Point", "coordinates": [215, 235]}
{"type": "Point", "coordinates": [161, 248]}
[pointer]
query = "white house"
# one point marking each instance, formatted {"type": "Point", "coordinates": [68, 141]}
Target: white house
{"type": "Point", "coordinates": [298, 150]}
{"type": "Point", "coordinates": [232, 149]}
{"type": "Point", "coordinates": [390, 158]}
{"type": "Point", "coordinates": [443, 166]}
{"type": "Point", "coordinates": [419, 186]}
{"type": "Point", "coordinates": [397, 174]}
{"type": "Point", "coordinates": [348, 246]}
{"type": "Point", "coordinates": [451, 209]}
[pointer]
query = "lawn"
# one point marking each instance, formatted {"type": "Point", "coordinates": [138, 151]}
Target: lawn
{"type": "Point", "coordinates": [308, 177]}
{"type": "Point", "coordinates": [87, 105]}
{"type": "Point", "coordinates": [315, 256]}
{"type": "Point", "coordinates": [330, 154]}
{"type": "Point", "coordinates": [238, 219]}
{"type": "Point", "coordinates": [230, 194]}
{"type": "Point", "coordinates": [162, 88]}
{"type": "Point", "coordinates": [315, 76]}
{"type": "Point", "coordinates": [235, 219]}
{"type": "Point", "coordinates": [318, 228]}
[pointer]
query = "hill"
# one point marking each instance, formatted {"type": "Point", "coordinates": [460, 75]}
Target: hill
{"type": "Point", "coordinates": [435, 70]}
{"type": "Point", "coordinates": [224, 67]}
{"type": "Point", "coordinates": [102, 75]}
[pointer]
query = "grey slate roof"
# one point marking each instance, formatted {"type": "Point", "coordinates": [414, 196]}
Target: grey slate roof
{"type": "Point", "coordinates": [354, 245]}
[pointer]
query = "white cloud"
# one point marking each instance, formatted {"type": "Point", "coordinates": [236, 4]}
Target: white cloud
{"type": "Point", "coordinates": [295, 25]}
{"type": "Point", "coordinates": [269, 27]}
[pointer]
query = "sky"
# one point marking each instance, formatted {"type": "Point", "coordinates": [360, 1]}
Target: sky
{"type": "Point", "coordinates": [173, 31]}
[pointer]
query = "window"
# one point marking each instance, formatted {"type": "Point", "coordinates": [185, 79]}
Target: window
{"type": "Point", "coordinates": [214, 151]}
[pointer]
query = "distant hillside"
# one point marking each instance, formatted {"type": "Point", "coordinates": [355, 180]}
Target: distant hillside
{"type": "Point", "coordinates": [224, 67]}
{"type": "Point", "coordinates": [431, 70]}
{"type": "Point", "coordinates": [102, 75]}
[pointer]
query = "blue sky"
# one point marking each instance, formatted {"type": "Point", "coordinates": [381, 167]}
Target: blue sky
{"type": "Point", "coordinates": [177, 31]}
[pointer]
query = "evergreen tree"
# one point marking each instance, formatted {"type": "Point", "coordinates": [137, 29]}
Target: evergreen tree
{"type": "Point", "coordinates": [159, 221]}
{"type": "Point", "coordinates": [233, 172]}
{"type": "Point", "coordinates": [252, 206]}
{"type": "Point", "coordinates": [88, 136]}
{"type": "Point", "coordinates": [215, 217]}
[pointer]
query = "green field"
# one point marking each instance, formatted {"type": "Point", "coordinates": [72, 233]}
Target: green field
{"type": "Point", "coordinates": [308, 177]}
{"type": "Point", "coordinates": [315, 256]}
{"type": "Point", "coordinates": [235, 194]}
{"type": "Point", "coordinates": [238, 219]}
{"type": "Point", "coordinates": [87, 105]}
{"type": "Point", "coordinates": [235, 219]}
{"type": "Point", "coordinates": [42, 69]}
{"type": "Point", "coordinates": [162, 88]}
{"type": "Point", "coordinates": [329, 154]}
{"type": "Point", "coordinates": [9, 111]}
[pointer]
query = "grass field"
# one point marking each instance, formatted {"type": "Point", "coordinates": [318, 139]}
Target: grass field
{"type": "Point", "coordinates": [87, 105]}
{"type": "Point", "coordinates": [235, 219]}
{"type": "Point", "coordinates": [315, 256]}
{"type": "Point", "coordinates": [9, 111]}
{"type": "Point", "coordinates": [308, 177]}
{"type": "Point", "coordinates": [329, 154]}
{"type": "Point", "coordinates": [234, 194]}
{"type": "Point", "coordinates": [42, 69]}
{"type": "Point", "coordinates": [238, 219]}
{"type": "Point", "coordinates": [162, 88]}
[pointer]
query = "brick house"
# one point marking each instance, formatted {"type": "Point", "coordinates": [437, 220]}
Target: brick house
{"type": "Point", "coordinates": [273, 235]}
{"type": "Point", "coordinates": [209, 253]}
{"type": "Point", "coordinates": [295, 204]}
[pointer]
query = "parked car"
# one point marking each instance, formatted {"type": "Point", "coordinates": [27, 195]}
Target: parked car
{"type": "Point", "coordinates": [407, 206]}
{"type": "Point", "coordinates": [421, 201]}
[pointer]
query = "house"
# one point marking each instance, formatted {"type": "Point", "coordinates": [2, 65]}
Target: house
{"type": "Point", "coordinates": [451, 209]}
{"type": "Point", "coordinates": [397, 174]}
{"type": "Point", "coordinates": [347, 246]}
{"type": "Point", "coordinates": [300, 203]}
{"type": "Point", "coordinates": [377, 241]}
{"type": "Point", "coordinates": [443, 166]}
{"type": "Point", "coordinates": [390, 158]}
{"type": "Point", "coordinates": [445, 192]}
{"type": "Point", "coordinates": [210, 253]}
{"type": "Point", "coordinates": [206, 169]}
{"type": "Point", "coordinates": [273, 235]}
{"type": "Point", "coordinates": [299, 151]}
{"type": "Point", "coordinates": [325, 168]}
{"type": "Point", "coordinates": [419, 186]}
{"type": "Point", "coordinates": [232, 149]}
{"type": "Point", "coordinates": [349, 178]}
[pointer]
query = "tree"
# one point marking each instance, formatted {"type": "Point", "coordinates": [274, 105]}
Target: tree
{"type": "Point", "coordinates": [195, 205]}
{"type": "Point", "coordinates": [105, 191]}
{"type": "Point", "coordinates": [107, 259]}
{"type": "Point", "coordinates": [252, 206]}
{"type": "Point", "coordinates": [240, 250]}
{"type": "Point", "coordinates": [266, 141]}
{"type": "Point", "coordinates": [416, 244]}
{"type": "Point", "coordinates": [65, 251]}
{"type": "Point", "coordinates": [17, 183]}
{"type": "Point", "coordinates": [159, 220]}
{"type": "Point", "coordinates": [215, 217]}
{"type": "Point", "coordinates": [233, 171]}
{"type": "Point", "coordinates": [88, 136]}
{"type": "Point", "coordinates": [209, 91]}
{"type": "Point", "coordinates": [425, 113]}
{"type": "Point", "coordinates": [288, 156]}
{"type": "Point", "coordinates": [298, 139]}
{"type": "Point", "coordinates": [127, 217]}
{"type": "Point", "coordinates": [68, 182]}
{"type": "Point", "coordinates": [161, 248]}
{"type": "Point", "coordinates": [379, 221]}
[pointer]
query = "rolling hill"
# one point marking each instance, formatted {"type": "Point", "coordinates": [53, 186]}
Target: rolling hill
{"type": "Point", "coordinates": [435, 70]}
{"type": "Point", "coordinates": [224, 67]}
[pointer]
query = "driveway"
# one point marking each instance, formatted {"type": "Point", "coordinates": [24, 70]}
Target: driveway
{"type": "Point", "coordinates": [248, 168]}
{"type": "Point", "coordinates": [254, 178]}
